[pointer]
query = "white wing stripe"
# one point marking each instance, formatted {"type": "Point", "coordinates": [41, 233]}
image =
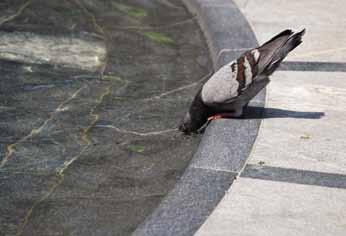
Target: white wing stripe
{"type": "Point", "coordinates": [256, 54]}
{"type": "Point", "coordinates": [222, 86]}
{"type": "Point", "coordinates": [248, 72]}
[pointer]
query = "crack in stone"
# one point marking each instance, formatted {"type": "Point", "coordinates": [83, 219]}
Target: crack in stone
{"type": "Point", "coordinates": [18, 13]}
{"type": "Point", "coordinates": [124, 131]}
{"type": "Point", "coordinates": [180, 88]}
{"type": "Point", "coordinates": [85, 136]}
{"type": "Point", "coordinates": [27, 216]}
{"type": "Point", "coordinates": [93, 18]}
{"type": "Point", "coordinates": [169, 4]}
{"type": "Point", "coordinates": [157, 27]}
{"type": "Point", "coordinates": [216, 169]}
{"type": "Point", "coordinates": [11, 148]}
{"type": "Point", "coordinates": [10, 171]}
{"type": "Point", "coordinates": [98, 28]}
{"type": "Point", "coordinates": [60, 171]}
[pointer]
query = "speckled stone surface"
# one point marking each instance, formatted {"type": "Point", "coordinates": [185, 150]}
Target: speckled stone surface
{"type": "Point", "coordinates": [88, 110]}
{"type": "Point", "coordinates": [191, 201]}
{"type": "Point", "coordinates": [226, 144]}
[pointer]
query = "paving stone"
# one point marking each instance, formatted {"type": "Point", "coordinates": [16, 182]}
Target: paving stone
{"type": "Point", "coordinates": [189, 204]}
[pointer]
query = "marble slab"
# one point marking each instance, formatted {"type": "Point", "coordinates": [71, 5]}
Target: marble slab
{"type": "Point", "coordinates": [91, 93]}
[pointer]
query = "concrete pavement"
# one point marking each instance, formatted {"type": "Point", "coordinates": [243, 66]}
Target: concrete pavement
{"type": "Point", "coordinates": [294, 180]}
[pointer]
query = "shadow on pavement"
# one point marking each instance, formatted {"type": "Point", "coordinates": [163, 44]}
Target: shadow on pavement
{"type": "Point", "coordinates": [288, 175]}
{"type": "Point", "coordinates": [252, 112]}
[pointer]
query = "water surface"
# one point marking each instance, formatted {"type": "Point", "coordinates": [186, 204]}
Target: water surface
{"type": "Point", "coordinates": [90, 95]}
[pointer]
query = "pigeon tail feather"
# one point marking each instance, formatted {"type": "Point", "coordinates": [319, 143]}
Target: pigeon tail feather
{"type": "Point", "coordinates": [275, 50]}
{"type": "Point", "coordinates": [287, 32]}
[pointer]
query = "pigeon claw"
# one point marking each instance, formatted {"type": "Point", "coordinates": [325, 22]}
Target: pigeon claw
{"type": "Point", "coordinates": [215, 117]}
{"type": "Point", "coordinates": [235, 114]}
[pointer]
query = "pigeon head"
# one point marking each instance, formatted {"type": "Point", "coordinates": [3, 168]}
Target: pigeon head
{"type": "Point", "coordinates": [189, 125]}
{"type": "Point", "coordinates": [196, 117]}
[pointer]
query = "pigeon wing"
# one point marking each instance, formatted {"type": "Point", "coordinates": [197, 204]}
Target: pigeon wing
{"type": "Point", "coordinates": [231, 80]}
{"type": "Point", "coordinates": [248, 71]}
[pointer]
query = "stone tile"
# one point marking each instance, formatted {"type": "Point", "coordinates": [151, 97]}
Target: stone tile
{"type": "Point", "coordinates": [305, 123]}
{"type": "Point", "coordinates": [20, 191]}
{"type": "Point", "coordinates": [93, 153]}
{"type": "Point", "coordinates": [324, 38]}
{"type": "Point", "coordinates": [189, 204]}
{"type": "Point", "coordinates": [224, 26]}
{"type": "Point", "coordinates": [226, 144]}
{"type": "Point", "coordinates": [256, 207]}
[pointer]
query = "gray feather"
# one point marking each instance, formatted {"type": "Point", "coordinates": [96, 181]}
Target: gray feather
{"type": "Point", "coordinates": [222, 86]}
{"type": "Point", "coordinates": [235, 84]}
{"type": "Point", "coordinates": [226, 85]}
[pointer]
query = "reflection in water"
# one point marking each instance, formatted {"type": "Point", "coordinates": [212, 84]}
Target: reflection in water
{"type": "Point", "coordinates": [91, 92]}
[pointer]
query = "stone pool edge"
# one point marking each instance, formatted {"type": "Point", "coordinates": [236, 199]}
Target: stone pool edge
{"type": "Point", "coordinates": [226, 144]}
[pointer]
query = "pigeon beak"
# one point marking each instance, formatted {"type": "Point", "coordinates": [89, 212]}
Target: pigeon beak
{"type": "Point", "coordinates": [183, 128]}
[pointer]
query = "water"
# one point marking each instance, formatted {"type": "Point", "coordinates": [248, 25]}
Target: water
{"type": "Point", "coordinates": [90, 96]}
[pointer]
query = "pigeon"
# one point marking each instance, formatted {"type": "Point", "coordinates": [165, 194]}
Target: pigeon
{"type": "Point", "coordinates": [228, 91]}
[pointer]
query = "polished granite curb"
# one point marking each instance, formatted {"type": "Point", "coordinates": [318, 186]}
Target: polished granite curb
{"type": "Point", "coordinates": [226, 144]}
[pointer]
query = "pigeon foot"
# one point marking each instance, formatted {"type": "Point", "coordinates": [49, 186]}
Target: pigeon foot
{"type": "Point", "coordinates": [237, 113]}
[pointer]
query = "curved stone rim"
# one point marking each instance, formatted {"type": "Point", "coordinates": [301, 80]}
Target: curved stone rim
{"type": "Point", "coordinates": [212, 169]}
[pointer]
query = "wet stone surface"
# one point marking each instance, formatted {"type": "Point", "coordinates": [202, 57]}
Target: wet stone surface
{"type": "Point", "coordinates": [90, 95]}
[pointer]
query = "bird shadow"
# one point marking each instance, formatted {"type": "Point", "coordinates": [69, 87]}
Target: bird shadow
{"type": "Point", "coordinates": [252, 112]}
